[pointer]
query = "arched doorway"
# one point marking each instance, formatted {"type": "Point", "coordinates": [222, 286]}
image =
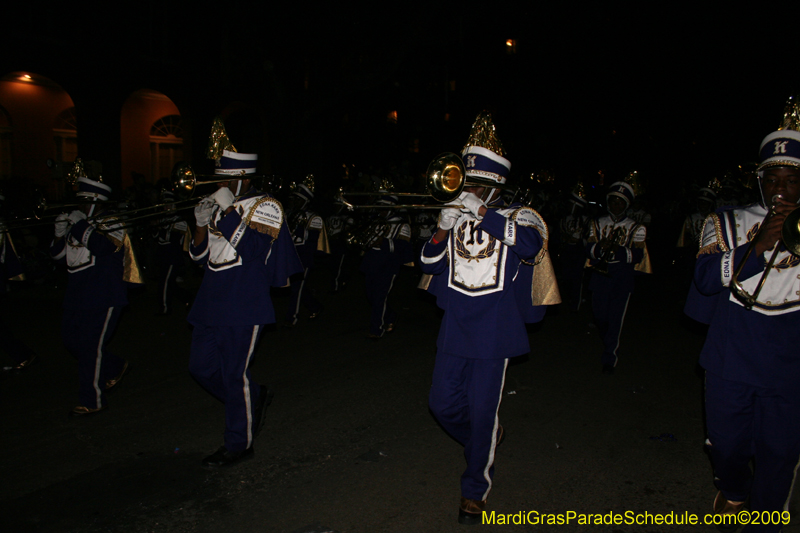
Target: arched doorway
{"type": "Point", "coordinates": [151, 138]}
{"type": "Point", "coordinates": [37, 126]}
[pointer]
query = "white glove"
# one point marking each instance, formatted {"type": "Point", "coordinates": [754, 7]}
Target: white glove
{"type": "Point", "coordinates": [76, 216]}
{"type": "Point", "coordinates": [203, 211]}
{"type": "Point", "coordinates": [448, 218]}
{"type": "Point", "coordinates": [471, 203]}
{"type": "Point", "coordinates": [62, 225]}
{"type": "Point", "coordinates": [224, 197]}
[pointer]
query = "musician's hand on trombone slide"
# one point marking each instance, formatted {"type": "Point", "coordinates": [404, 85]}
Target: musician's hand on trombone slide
{"type": "Point", "coordinates": [203, 211]}
{"type": "Point", "coordinates": [770, 233]}
{"type": "Point", "coordinates": [62, 225]}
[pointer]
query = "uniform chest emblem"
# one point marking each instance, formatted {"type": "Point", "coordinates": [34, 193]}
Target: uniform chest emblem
{"type": "Point", "coordinates": [472, 243]}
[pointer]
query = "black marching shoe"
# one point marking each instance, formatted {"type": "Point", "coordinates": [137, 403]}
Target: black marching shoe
{"type": "Point", "coordinates": [113, 382]}
{"type": "Point", "coordinates": [470, 511]}
{"type": "Point", "coordinates": [223, 457]}
{"type": "Point", "coordinates": [259, 415]}
{"type": "Point", "coordinates": [82, 410]}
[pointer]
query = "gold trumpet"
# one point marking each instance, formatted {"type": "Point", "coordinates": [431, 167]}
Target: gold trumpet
{"type": "Point", "coordinates": [602, 265]}
{"type": "Point", "coordinates": [446, 177]}
{"type": "Point", "coordinates": [790, 237]}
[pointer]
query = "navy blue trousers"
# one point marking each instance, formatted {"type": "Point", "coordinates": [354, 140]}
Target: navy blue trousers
{"type": "Point", "coordinates": [301, 296]}
{"type": "Point", "coordinates": [219, 361]}
{"type": "Point", "coordinates": [86, 335]}
{"type": "Point", "coordinates": [609, 308]}
{"type": "Point", "coordinates": [465, 399]}
{"type": "Point", "coordinates": [759, 424]}
{"type": "Point", "coordinates": [10, 343]}
{"type": "Point", "coordinates": [378, 286]}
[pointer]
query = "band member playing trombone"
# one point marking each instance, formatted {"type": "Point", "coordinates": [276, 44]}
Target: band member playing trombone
{"type": "Point", "coordinates": [388, 247]}
{"type": "Point", "coordinates": [479, 267]}
{"type": "Point", "coordinates": [308, 232]}
{"type": "Point", "coordinates": [752, 398]}
{"type": "Point", "coordinates": [242, 239]}
{"type": "Point", "coordinates": [171, 235]}
{"type": "Point", "coordinates": [616, 250]}
{"type": "Point", "coordinates": [99, 259]}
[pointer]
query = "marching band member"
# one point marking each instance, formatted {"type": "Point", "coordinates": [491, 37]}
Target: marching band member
{"type": "Point", "coordinates": [99, 259]}
{"type": "Point", "coordinates": [573, 242]}
{"type": "Point", "coordinates": [750, 356]}
{"type": "Point", "coordinates": [337, 226]}
{"type": "Point", "coordinates": [388, 249]}
{"type": "Point", "coordinates": [242, 239]}
{"type": "Point", "coordinates": [11, 269]}
{"type": "Point", "coordinates": [478, 264]}
{"type": "Point", "coordinates": [693, 224]}
{"type": "Point", "coordinates": [616, 243]}
{"type": "Point", "coordinates": [171, 235]}
{"type": "Point", "coordinates": [308, 232]}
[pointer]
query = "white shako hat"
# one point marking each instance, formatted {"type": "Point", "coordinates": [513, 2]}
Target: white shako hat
{"type": "Point", "coordinates": [483, 153]}
{"type": "Point", "coordinates": [92, 189]}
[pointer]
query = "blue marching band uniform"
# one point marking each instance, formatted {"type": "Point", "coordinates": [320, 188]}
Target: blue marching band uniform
{"type": "Point", "coordinates": [309, 236]}
{"type": "Point", "coordinates": [573, 228]}
{"type": "Point", "coordinates": [750, 356]}
{"type": "Point", "coordinates": [99, 259]}
{"type": "Point", "coordinates": [337, 226]}
{"type": "Point", "coordinates": [482, 277]}
{"type": "Point", "coordinates": [246, 252]}
{"type": "Point", "coordinates": [611, 292]}
{"type": "Point", "coordinates": [11, 269]}
{"type": "Point", "coordinates": [171, 242]}
{"type": "Point", "coordinates": [389, 249]}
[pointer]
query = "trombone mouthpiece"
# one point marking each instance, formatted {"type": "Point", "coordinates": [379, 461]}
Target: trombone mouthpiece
{"type": "Point", "coordinates": [775, 199]}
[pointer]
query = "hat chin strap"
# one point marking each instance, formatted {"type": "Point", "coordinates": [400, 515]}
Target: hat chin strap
{"type": "Point", "coordinates": [490, 195]}
{"type": "Point", "coordinates": [92, 207]}
{"type": "Point", "coordinates": [238, 188]}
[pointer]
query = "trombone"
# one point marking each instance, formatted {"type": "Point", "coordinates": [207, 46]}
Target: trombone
{"type": "Point", "coordinates": [183, 182]}
{"type": "Point", "coordinates": [790, 237]}
{"type": "Point", "coordinates": [446, 178]}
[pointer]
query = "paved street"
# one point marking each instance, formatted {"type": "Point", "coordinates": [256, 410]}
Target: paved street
{"type": "Point", "coordinates": [349, 444]}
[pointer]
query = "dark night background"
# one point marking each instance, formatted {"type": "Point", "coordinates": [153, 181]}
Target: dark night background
{"type": "Point", "coordinates": [678, 94]}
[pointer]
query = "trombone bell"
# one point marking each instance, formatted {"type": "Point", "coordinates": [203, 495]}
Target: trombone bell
{"type": "Point", "coordinates": [790, 232]}
{"type": "Point", "coordinates": [446, 177]}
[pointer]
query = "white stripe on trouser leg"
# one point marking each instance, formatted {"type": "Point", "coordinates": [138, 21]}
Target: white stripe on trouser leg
{"type": "Point", "coordinates": [98, 361]}
{"type": "Point", "coordinates": [791, 487]}
{"type": "Point", "coordinates": [619, 333]}
{"type": "Point", "coordinates": [164, 293]}
{"type": "Point", "coordinates": [299, 297]}
{"type": "Point", "coordinates": [247, 399]}
{"type": "Point", "coordinates": [338, 274]}
{"type": "Point", "coordinates": [383, 314]}
{"type": "Point", "coordinates": [492, 448]}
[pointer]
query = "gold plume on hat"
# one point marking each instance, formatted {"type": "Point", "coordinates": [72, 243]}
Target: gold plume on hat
{"type": "Point", "coordinates": [635, 181]}
{"type": "Point", "coordinates": [75, 172]}
{"type": "Point", "coordinates": [715, 185]}
{"type": "Point", "coordinates": [385, 185]}
{"type": "Point", "coordinates": [579, 190]}
{"type": "Point", "coordinates": [791, 115]}
{"type": "Point", "coordinates": [308, 181]}
{"type": "Point", "coordinates": [483, 135]}
{"type": "Point", "coordinates": [543, 177]}
{"type": "Point", "coordinates": [218, 140]}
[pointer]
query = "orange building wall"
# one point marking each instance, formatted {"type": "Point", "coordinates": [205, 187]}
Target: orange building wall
{"type": "Point", "coordinates": [139, 112]}
{"type": "Point", "coordinates": [33, 110]}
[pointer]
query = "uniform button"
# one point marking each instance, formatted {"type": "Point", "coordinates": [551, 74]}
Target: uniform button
{"type": "Point", "coordinates": [769, 303]}
{"type": "Point", "coordinates": [738, 238]}
{"type": "Point", "coordinates": [737, 225]}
